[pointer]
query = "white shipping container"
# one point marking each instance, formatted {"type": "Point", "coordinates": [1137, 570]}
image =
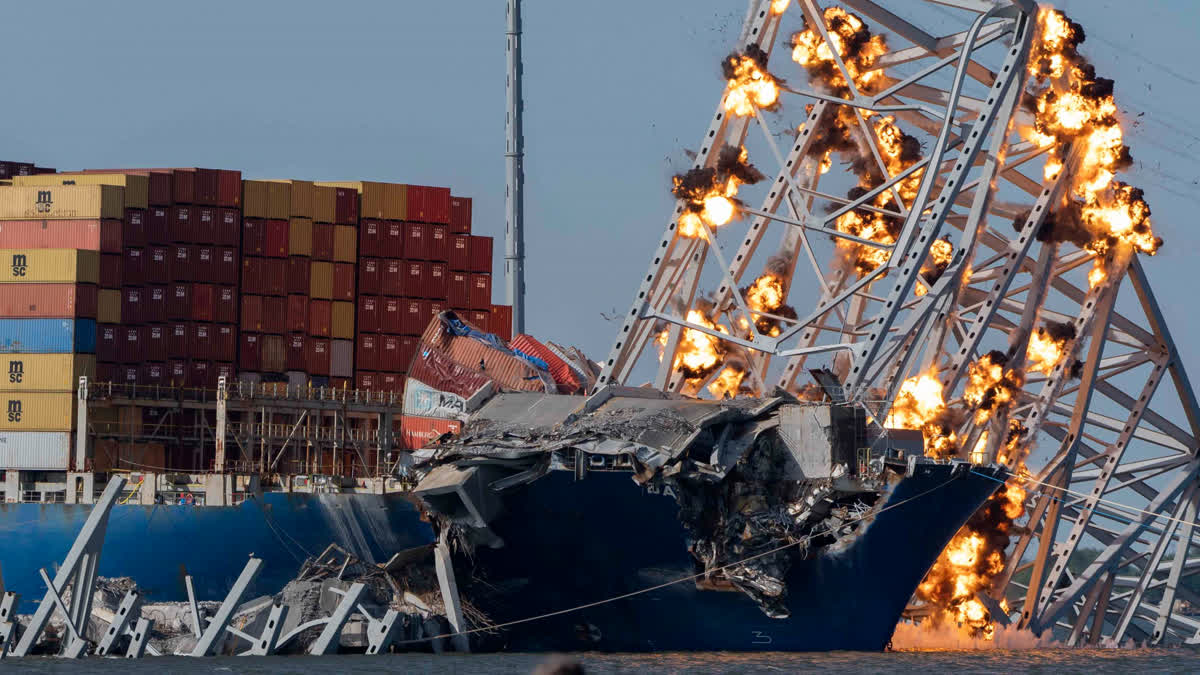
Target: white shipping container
{"type": "Point", "coordinates": [35, 450]}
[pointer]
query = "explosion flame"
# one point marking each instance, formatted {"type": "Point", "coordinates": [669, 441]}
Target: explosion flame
{"type": "Point", "coordinates": [751, 86]}
{"type": "Point", "coordinates": [1046, 346]}
{"type": "Point", "coordinates": [990, 387]}
{"type": "Point", "coordinates": [855, 45]}
{"type": "Point", "coordinates": [710, 192]}
{"type": "Point", "coordinates": [920, 405]}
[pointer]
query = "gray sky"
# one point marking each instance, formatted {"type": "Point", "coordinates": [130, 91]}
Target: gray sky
{"type": "Point", "coordinates": [414, 92]}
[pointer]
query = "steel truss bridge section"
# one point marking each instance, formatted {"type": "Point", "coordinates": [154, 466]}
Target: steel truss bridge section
{"type": "Point", "coordinates": [1113, 424]}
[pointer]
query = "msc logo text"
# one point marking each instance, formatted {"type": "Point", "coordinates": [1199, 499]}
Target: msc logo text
{"type": "Point", "coordinates": [20, 264]}
{"type": "Point", "coordinates": [16, 372]}
{"type": "Point", "coordinates": [44, 201]}
{"type": "Point", "coordinates": [14, 411]}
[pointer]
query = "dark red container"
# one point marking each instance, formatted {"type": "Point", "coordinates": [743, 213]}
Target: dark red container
{"type": "Point", "coordinates": [275, 314]}
{"type": "Point", "coordinates": [229, 226]}
{"type": "Point", "coordinates": [481, 291]}
{"type": "Point", "coordinates": [229, 188]}
{"type": "Point", "coordinates": [481, 254]}
{"type": "Point", "coordinates": [250, 352]}
{"type": "Point", "coordinates": [478, 318]}
{"type": "Point", "coordinates": [226, 266]}
{"type": "Point", "coordinates": [178, 339]}
{"type": "Point", "coordinates": [366, 353]}
{"type": "Point", "coordinates": [297, 313]}
{"type": "Point", "coordinates": [408, 350]}
{"type": "Point", "coordinates": [435, 307]}
{"type": "Point", "coordinates": [219, 370]}
{"type": "Point", "coordinates": [416, 241]}
{"type": "Point", "coordinates": [459, 255]}
{"type": "Point", "coordinates": [207, 184]}
{"type": "Point", "coordinates": [128, 373]}
{"type": "Point", "coordinates": [204, 302]}
{"type": "Point", "coordinates": [254, 236]}
{"type": "Point", "coordinates": [252, 313]}
{"type": "Point", "coordinates": [224, 343]}
{"type": "Point", "coordinates": [225, 305]}
{"type": "Point", "coordinates": [155, 304]}
{"type": "Point", "coordinates": [160, 187]}
{"type": "Point", "coordinates": [322, 243]}
{"type": "Point", "coordinates": [370, 238]}
{"type": "Point", "coordinates": [428, 204]}
{"type": "Point", "coordinates": [296, 350]}
{"type": "Point", "coordinates": [252, 275]}
{"type": "Point", "coordinates": [133, 305]}
{"type": "Point", "coordinates": [200, 375]}
{"type": "Point", "coordinates": [181, 263]}
{"type": "Point", "coordinates": [153, 374]}
{"type": "Point", "coordinates": [183, 186]}
{"type": "Point", "coordinates": [437, 282]}
{"type": "Point", "coordinates": [264, 276]}
{"type": "Point", "coordinates": [130, 344]}
{"type": "Point", "coordinates": [320, 317]}
{"type": "Point", "coordinates": [416, 277]}
{"type": "Point", "coordinates": [346, 207]}
{"type": "Point", "coordinates": [439, 243]}
{"type": "Point", "coordinates": [392, 278]}
{"type": "Point", "coordinates": [133, 232]}
{"type": "Point", "coordinates": [205, 225]}
{"type": "Point", "coordinates": [391, 315]}
{"type": "Point", "coordinates": [157, 265]}
{"type": "Point", "coordinates": [318, 357]}
{"type": "Point", "coordinates": [133, 267]}
{"type": "Point", "coordinates": [179, 304]}
{"type": "Point", "coordinates": [460, 215]}
{"type": "Point", "coordinates": [200, 340]}
{"type": "Point", "coordinates": [500, 321]}
{"type": "Point", "coordinates": [182, 224]}
{"type": "Point", "coordinates": [458, 289]}
{"type": "Point", "coordinates": [298, 274]}
{"type": "Point", "coordinates": [204, 264]}
{"type": "Point", "coordinates": [343, 281]}
{"type": "Point", "coordinates": [158, 225]}
{"type": "Point", "coordinates": [366, 381]}
{"type": "Point", "coordinates": [389, 353]}
{"type": "Point", "coordinates": [369, 276]}
{"type": "Point", "coordinates": [415, 317]}
{"type": "Point", "coordinates": [276, 241]}
{"type": "Point", "coordinates": [177, 370]}
{"type": "Point", "coordinates": [393, 239]}
{"type": "Point", "coordinates": [108, 345]}
{"type": "Point", "coordinates": [368, 313]}
{"type": "Point", "coordinates": [157, 345]}
{"type": "Point", "coordinates": [393, 382]}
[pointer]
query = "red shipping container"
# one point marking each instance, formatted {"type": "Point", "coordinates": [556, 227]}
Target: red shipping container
{"type": "Point", "coordinates": [481, 254]}
{"type": "Point", "coordinates": [177, 372]}
{"type": "Point", "coordinates": [264, 276]}
{"type": "Point", "coordinates": [200, 340]}
{"type": "Point", "coordinates": [367, 381]}
{"type": "Point", "coordinates": [252, 313]}
{"type": "Point", "coordinates": [179, 304]}
{"type": "Point", "coordinates": [416, 317]}
{"type": "Point", "coordinates": [317, 358]}
{"type": "Point", "coordinates": [229, 188]}
{"type": "Point", "coordinates": [439, 243]}
{"type": "Point", "coordinates": [436, 307]}
{"type": "Point", "coordinates": [226, 266]}
{"type": "Point", "coordinates": [249, 353]}
{"type": "Point", "coordinates": [157, 265]}
{"type": "Point", "coordinates": [133, 267]}
{"type": "Point", "coordinates": [460, 215]}
{"type": "Point", "coordinates": [181, 263]}
{"type": "Point", "coordinates": [438, 279]}
{"type": "Point", "coordinates": [481, 291]}
{"type": "Point", "coordinates": [392, 278]}
{"type": "Point", "coordinates": [199, 375]}
{"type": "Point", "coordinates": [370, 238]}
{"type": "Point", "coordinates": [225, 305]}
{"type": "Point", "coordinates": [408, 350]}
{"type": "Point", "coordinates": [49, 301]}
{"type": "Point", "coordinates": [367, 353]}
{"type": "Point", "coordinates": [254, 236]}
{"type": "Point", "coordinates": [343, 281]}
{"type": "Point", "coordinates": [134, 231]}
{"type": "Point", "coordinates": [224, 345]}
{"type": "Point", "coordinates": [346, 206]}
{"type": "Point", "coordinates": [158, 225]}
{"type": "Point", "coordinates": [389, 353]}
{"type": "Point", "coordinates": [393, 239]}
{"type": "Point", "coordinates": [153, 374]}
{"type": "Point", "coordinates": [274, 353]}
{"type": "Point", "coordinates": [181, 224]}
{"type": "Point", "coordinates": [128, 374]}
{"type": "Point", "coordinates": [106, 372]}
{"type": "Point", "coordinates": [391, 315]}
{"type": "Point", "coordinates": [416, 241]}
{"type": "Point", "coordinates": [132, 305]}
{"type": "Point", "coordinates": [320, 317]}
{"type": "Point", "coordinates": [204, 301]}
{"type": "Point", "coordinates": [369, 276]}
{"type": "Point", "coordinates": [459, 255]}
{"type": "Point", "coordinates": [298, 274]}
{"type": "Point", "coordinates": [368, 314]}
{"type": "Point", "coordinates": [207, 185]}
{"type": "Point", "coordinates": [108, 346]}
{"type": "Point", "coordinates": [160, 187]}
{"type": "Point", "coordinates": [500, 321]}
{"type": "Point", "coordinates": [228, 227]}
{"type": "Point", "coordinates": [458, 290]}
{"type": "Point", "coordinates": [225, 370]}
{"type": "Point", "coordinates": [130, 344]}
{"type": "Point", "coordinates": [178, 339]}
{"type": "Point", "coordinates": [205, 231]}
{"type": "Point", "coordinates": [183, 186]}
{"type": "Point", "coordinates": [322, 243]}
{"type": "Point", "coordinates": [155, 304]}
{"type": "Point", "coordinates": [274, 314]}
{"type": "Point", "coordinates": [88, 235]}
{"type": "Point", "coordinates": [296, 351]}
{"type": "Point", "coordinates": [393, 382]}
{"type": "Point", "coordinates": [416, 278]}
{"type": "Point", "coordinates": [204, 264]}
{"type": "Point", "coordinates": [157, 347]}
{"type": "Point", "coordinates": [417, 432]}
{"type": "Point", "coordinates": [297, 313]}
{"type": "Point", "coordinates": [428, 204]}
{"type": "Point", "coordinates": [478, 317]}
{"type": "Point", "coordinates": [276, 240]}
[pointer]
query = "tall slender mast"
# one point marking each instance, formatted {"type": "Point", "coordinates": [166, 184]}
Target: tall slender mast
{"type": "Point", "coordinates": [514, 156]}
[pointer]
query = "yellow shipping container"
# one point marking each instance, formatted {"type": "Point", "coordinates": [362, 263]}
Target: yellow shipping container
{"type": "Point", "coordinates": [324, 204]}
{"type": "Point", "coordinates": [320, 280]}
{"type": "Point", "coordinates": [379, 200]}
{"type": "Point", "coordinates": [49, 265]}
{"type": "Point", "coordinates": [74, 202]}
{"type": "Point", "coordinates": [254, 198]}
{"type": "Point", "coordinates": [279, 200]}
{"type": "Point", "coordinates": [299, 236]}
{"type": "Point", "coordinates": [137, 188]}
{"type": "Point", "coordinates": [345, 243]}
{"type": "Point", "coordinates": [301, 198]}
{"type": "Point", "coordinates": [342, 320]}
{"type": "Point", "coordinates": [38, 411]}
{"type": "Point", "coordinates": [45, 372]}
{"type": "Point", "coordinates": [108, 306]}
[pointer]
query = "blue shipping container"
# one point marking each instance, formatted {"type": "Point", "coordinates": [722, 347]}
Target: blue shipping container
{"type": "Point", "coordinates": [48, 336]}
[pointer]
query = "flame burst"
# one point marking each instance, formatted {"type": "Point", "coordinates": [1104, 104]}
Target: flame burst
{"type": "Point", "coordinates": [766, 295]}
{"type": "Point", "coordinates": [727, 383]}
{"type": "Point", "coordinates": [751, 86]}
{"type": "Point", "coordinates": [710, 192]}
{"type": "Point", "coordinates": [921, 405]}
{"type": "Point", "coordinates": [855, 45]}
{"type": "Point", "coordinates": [779, 6]}
{"type": "Point", "coordinates": [1046, 346]}
{"type": "Point", "coordinates": [990, 387]}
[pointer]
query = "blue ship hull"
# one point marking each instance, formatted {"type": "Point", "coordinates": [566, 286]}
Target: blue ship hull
{"type": "Point", "coordinates": [569, 544]}
{"type": "Point", "coordinates": [158, 545]}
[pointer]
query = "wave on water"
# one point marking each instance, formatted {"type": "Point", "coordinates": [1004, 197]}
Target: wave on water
{"type": "Point", "coordinates": [912, 636]}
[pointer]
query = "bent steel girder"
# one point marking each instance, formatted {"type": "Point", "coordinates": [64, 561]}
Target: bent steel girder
{"type": "Point", "coordinates": [1112, 426]}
